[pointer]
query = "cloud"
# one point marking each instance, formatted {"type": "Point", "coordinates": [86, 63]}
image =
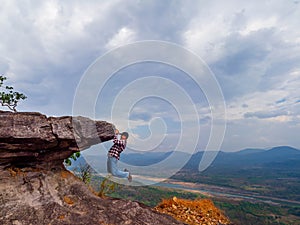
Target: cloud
{"type": "Point", "coordinates": [140, 116]}
{"type": "Point", "coordinates": [248, 49]}
{"type": "Point", "coordinates": [265, 114]}
{"type": "Point", "coordinates": [252, 47]}
{"type": "Point", "coordinates": [124, 36]}
{"type": "Point", "coordinates": [265, 133]}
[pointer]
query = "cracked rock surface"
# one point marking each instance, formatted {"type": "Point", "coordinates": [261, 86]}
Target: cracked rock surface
{"type": "Point", "coordinates": [57, 197]}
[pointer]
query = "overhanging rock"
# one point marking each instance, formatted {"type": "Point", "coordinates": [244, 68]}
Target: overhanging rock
{"type": "Point", "coordinates": [28, 138]}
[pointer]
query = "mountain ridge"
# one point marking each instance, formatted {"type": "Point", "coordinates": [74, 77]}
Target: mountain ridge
{"type": "Point", "coordinates": [245, 158]}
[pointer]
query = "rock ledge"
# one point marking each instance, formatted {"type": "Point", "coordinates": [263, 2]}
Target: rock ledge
{"type": "Point", "coordinates": [32, 139]}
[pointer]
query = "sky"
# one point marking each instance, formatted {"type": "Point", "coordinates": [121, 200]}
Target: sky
{"type": "Point", "coordinates": [251, 47]}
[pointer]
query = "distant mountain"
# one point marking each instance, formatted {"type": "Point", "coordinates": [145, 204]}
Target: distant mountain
{"type": "Point", "coordinates": [274, 172]}
{"type": "Point", "coordinates": [150, 158]}
{"type": "Point", "coordinates": [247, 158]}
{"type": "Point", "coordinates": [250, 151]}
{"type": "Point", "coordinates": [284, 149]}
{"type": "Point", "coordinates": [277, 154]}
{"type": "Point", "coordinates": [145, 159]}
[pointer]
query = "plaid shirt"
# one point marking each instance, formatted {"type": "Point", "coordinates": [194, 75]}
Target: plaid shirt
{"type": "Point", "coordinates": [117, 148]}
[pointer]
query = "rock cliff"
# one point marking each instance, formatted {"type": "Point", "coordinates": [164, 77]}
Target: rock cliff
{"type": "Point", "coordinates": [32, 139]}
{"type": "Point", "coordinates": [36, 189]}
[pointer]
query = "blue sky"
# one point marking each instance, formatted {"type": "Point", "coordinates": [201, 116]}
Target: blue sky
{"type": "Point", "coordinates": [252, 47]}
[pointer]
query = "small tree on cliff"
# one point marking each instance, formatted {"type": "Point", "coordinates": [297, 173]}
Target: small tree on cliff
{"type": "Point", "coordinates": [85, 173]}
{"type": "Point", "coordinates": [8, 97]}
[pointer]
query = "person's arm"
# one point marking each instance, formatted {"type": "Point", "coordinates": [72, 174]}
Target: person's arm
{"type": "Point", "coordinates": [116, 136]}
{"type": "Point", "coordinates": [121, 143]}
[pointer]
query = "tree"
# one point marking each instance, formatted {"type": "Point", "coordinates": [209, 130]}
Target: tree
{"type": "Point", "coordinates": [8, 97]}
{"type": "Point", "coordinates": [85, 173]}
{"type": "Point", "coordinates": [107, 187]}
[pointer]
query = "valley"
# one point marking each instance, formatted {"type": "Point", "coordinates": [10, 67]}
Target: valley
{"type": "Point", "coordinates": [253, 186]}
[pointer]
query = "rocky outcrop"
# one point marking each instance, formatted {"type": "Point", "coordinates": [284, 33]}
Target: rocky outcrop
{"type": "Point", "coordinates": [36, 189]}
{"type": "Point", "coordinates": [32, 139]}
{"type": "Point", "coordinates": [57, 197]}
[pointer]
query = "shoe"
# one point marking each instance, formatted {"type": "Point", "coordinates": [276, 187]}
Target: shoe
{"type": "Point", "coordinates": [129, 177]}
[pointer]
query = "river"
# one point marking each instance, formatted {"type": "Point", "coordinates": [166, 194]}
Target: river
{"type": "Point", "coordinates": [224, 192]}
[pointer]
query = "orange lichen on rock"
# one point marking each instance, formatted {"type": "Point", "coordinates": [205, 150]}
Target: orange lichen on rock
{"type": "Point", "coordinates": [12, 172]}
{"type": "Point", "coordinates": [65, 174]}
{"type": "Point", "coordinates": [61, 217]}
{"type": "Point", "coordinates": [202, 211]}
{"type": "Point", "coordinates": [15, 172]}
{"type": "Point", "coordinates": [68, 200]}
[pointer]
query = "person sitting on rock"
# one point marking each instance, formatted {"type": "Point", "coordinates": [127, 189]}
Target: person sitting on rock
{"type": "Point", "coordinates": [114, 156]}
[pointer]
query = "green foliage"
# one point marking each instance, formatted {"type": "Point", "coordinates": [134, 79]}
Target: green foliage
{"type": "Point", "coordinates": [85, 173]}
{"type": "Point", "coordinates": [107, 187]}
{"type": "Point", "coordinates": [148, 195]}
{"type": "Point", "coordinates": [248, 213]}
{"type": "Point", "coordinates": [74, 156]}
{"type": "Point", "coordinates": [239, 212]}
{"type": "Point", "coordinates": [295, 211]}
{"type": "Point", "coordinates": [151, 195]}
{"type": "Point", "coordinates": [8, 97]}
{"type": "Point", "coordinates": [273, 182]}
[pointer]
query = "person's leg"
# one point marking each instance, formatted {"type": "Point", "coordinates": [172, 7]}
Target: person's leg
{"type": "Point", "coordinates": [109, 169]}
{"type": "Point", "coordinates": [112, 167]}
